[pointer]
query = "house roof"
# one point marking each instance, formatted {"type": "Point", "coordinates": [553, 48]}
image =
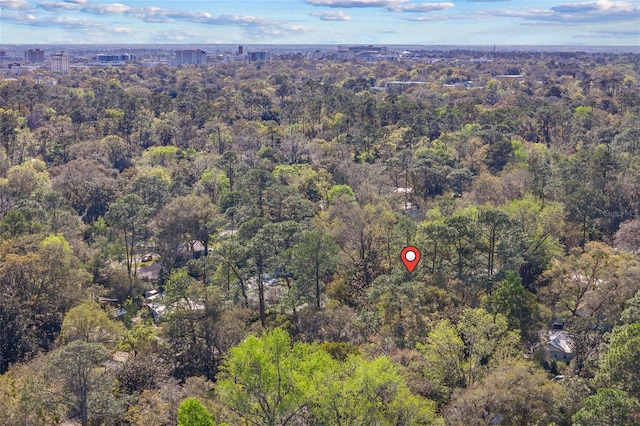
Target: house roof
{"type": "Point", "coordinates": [560, 340]}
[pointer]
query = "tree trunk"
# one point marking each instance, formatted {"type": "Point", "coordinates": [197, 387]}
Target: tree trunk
{"type": "Point", "coordinates": [317, 268]}
{"type": "Point", "coordinates": [263, 315]}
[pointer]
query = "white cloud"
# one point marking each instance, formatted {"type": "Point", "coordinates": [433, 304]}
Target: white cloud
{"type": "Point", "coordinates": [422, 7]}
{"type": "Point", "coordinates": [440, 18]}
{"type": "Point", "coordinates": [613, 34]}
{"type": "Point", "coordinates": [124, 30]}
{"type": "Point", "coordinates": [83, 6]}
{"type": "Point", "coordinates": [357, 3]}
{"type": "Point", "coordinates": [49, 21]}
{"type": "Point", "coordinates": [391, 5]}
{"type": "Point", "coordinates": [601, 11]}
{"type": "Point", "coordinates": [14, 4]}
{"type": "Point", "coordinates": [153, 14]}
{"type": "Point", "coordinates": [334, 15]}
{"type": "Point", "coordinates": [594, 6]}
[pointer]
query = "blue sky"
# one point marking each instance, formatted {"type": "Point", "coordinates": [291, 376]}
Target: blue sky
{"type": "Point", "coordinates": [502, 22]}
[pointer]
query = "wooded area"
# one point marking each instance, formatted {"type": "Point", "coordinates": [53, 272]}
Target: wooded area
{"type": "Point", "coordinates": [221, 244]}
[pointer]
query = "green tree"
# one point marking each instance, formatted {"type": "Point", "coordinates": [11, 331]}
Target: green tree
{"type": "Point", "coordinates": [516, 393]}
{"type": "Point", "coordinates": [487, 339]}
{"type": "Point", "coordinates": [28, 179]}
{"type": "Point", "coordinates": [153, 185]}
{"type": "Point", "coordinates": [608, 407]}
{"type": "Point", "coordinates": [91, 324]}
{"type": "Point", "coordinates": [138, 337]}
{"type": "Point", "coordinates": [632, 312]}
{"type": "Point", "coordinates": [181, 223]}
{"type": "Point", "coordinates": [539, 165]}
{"type": "Point", "coordinates": [84, 383]}
{"type": "Point", "coordinates": [8, 129]}
{"type": "Point", "coordinates": [361, 392]}
{"type": "Point", "coordinates": [538, 227]}
{"type": "Point", "coordinates": [620, 364]}
{"type": "Point", "coordinates": [593, 283]}
{"type": "Point", "coordinates": [314, 258]}
{"type": "Point", "coordinates": [495, 224]}
{"type": "Point", "coordinates": [229, 162]}
{"type": "Point", "coordinates": [269, 381]}
{"type": "Point", "coordinates": [362, 232]}
{"type": "Point", "coordinates": [87, 185]}
{"type": "Point", "coordinates": [444, 353]}
{"type": "Point", "coordinates": [518, 305]}
{"type": "Point", "coordinates": [191, 412]}
{"type": "Point", "coordinates": [130, 215]}
{"type": "Point", "coordinates": [461, 355]}
{"type": "Point", "coordinates": [40, 280]}
{"type": "Point", "coordinates": [14, 224]}
{"type": "Point", "coordinates": [465, 239]}
{"type": "Point", "coordinates": [437, 247]}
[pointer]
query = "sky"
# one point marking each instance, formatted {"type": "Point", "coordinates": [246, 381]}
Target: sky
{"type": "Point", "coordinates": [459, 22]}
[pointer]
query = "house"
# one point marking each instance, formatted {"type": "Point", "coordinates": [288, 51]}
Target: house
{"type": "Point", "coordinates": [560, 346]}
{"type": "Point", "coordinates": [158, 307]}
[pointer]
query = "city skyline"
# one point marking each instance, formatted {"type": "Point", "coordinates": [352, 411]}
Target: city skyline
{"type": "Point", "coordinates": [546, 22]}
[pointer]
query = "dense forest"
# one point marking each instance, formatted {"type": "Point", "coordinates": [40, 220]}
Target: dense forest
{"type": "Point", "coordinates": [221, 244]}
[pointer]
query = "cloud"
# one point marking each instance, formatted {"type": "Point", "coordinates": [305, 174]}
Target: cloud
{"type": "Point", "coordinates": [334, 15]}
{"type": "Point", "coordinates": [85, 7]}
{"type": "Point", "coordinates": [281, 31]}
{"type": "Point", "coordinates": [153, 14]}
{"type": "Point", "coordinates": [62, 22]}
{"type": "Point", "coordinates": [616, 34]}
{"type": "Point", "coordinates": [357, 3]}
{"type": "Point", "coordinates": [159, 15]}
{"type": "Point", "coordinates": [440, 18]}
{"type": "Point", "coordinates": [124, 30]}
{"type": "Point", "coordinates": [49, 21]}
{"type": "Point", "coordinates": [422, 7]}
{"type": "Point", "coordinates": [593, 6]}
{"type": "Point", "coordinates": [600, 11]}
{"type": "Point", "coordinates": [575, 8]}
{"type": "Point", "coordinates": [14, 4]}
{"type": "Point", "coordinates": [390, 5]}
{"type": "Point", "coordinates": [177, 37]}
{"type": "Point", "coordinates": [257, 26]}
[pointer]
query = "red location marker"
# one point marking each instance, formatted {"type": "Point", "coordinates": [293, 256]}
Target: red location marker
{"type": "Point", "coordinates": [410, 256]}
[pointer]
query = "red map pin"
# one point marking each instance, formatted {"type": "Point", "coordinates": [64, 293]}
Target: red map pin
{"type": "Point", "coordinates": [410, 256]}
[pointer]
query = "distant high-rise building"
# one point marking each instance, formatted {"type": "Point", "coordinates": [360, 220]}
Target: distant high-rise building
{"type": "Point", "coordinates": [124, 57]}
{"type": "Point", "coordinates": [34, 56]}
{"type": "Point", "coordinates": [60, 62]}
{"type": "Point", "coordinates": [191, 57]}
{"type": "Point", "coordinates": [259, 56]}
{"type": "Point", "coordinates": [360, 52]}
{"type": "Point", "coordinates": [240, 50]}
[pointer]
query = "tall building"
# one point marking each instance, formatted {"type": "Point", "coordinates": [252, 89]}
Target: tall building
{"type": "Point", "coordinates": [60, 62]}
{"type": "Point", "coordinates": [191, 57]}
{"type": "Point", "coordinates": [260, 56]}
{"type": "Point", "coordinates": [34, 56]}
{"type": "Point", "coordinates": [361, 52]}
{"type": "Point", "coordinates": [122, 57]}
